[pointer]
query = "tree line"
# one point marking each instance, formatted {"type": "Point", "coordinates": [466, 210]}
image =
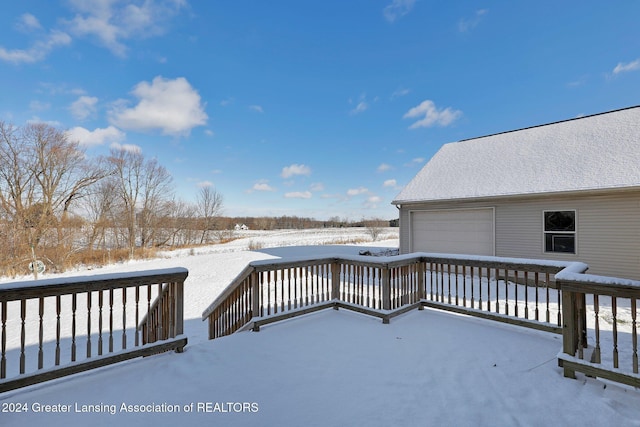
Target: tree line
{"type": "Point", "coordinates": [60, 208]}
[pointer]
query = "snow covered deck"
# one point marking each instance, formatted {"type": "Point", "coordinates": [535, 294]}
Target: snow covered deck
{"type": "Point", "coordinates": [335, 368]}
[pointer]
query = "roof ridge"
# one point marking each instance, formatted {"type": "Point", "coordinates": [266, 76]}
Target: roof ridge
{"type": "Point", "coordinates": [551, 123]}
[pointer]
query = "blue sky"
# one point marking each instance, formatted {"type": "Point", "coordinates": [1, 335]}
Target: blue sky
{"type": "Point", "coordinates": [315, 109]}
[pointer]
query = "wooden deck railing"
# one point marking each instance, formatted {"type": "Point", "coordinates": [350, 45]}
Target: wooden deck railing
{"type": "Point", "coordinates": [603, 311]}
{"type": "Point", "coordinates": [551, 296]}
{"type": "Point", "coordinates": [57, 327]}
{"type": "Point", "coordinates": [504, 289]}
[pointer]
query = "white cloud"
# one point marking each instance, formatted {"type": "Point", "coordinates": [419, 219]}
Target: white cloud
{"type": "Point", "coordinates": [318, 186]}
{"type": "Point", "coordinates": [362, 105]}
{"type": "Point", "coordinates": [111, 22]}
{"type": "Point", "coordinates": [432, 115]}
{"type": "Point", "coordinates": [39, 106]}
{"type": "Point", "coordinates": [374, 199]}
{"type": "Point", "coordinates": [38, 51]}
{"type": "Point", "coordinates": [59, 88]}
{"type": "Point", "coordinates": [28, 23]}
{"type": "Point", "coordinates": [357, 191]}
{"type": "Point", "coordinates": [384, 167]}
{"type": "Point", "coordinates": [256, 108]}
{"type": "Point", "coordinates": [295, 169]}
{"type": "Point", "coordinates": [415, 161]}
{"type": "Point", "coordinates": [360, 108]}
{"type": "Point", "coordinates": [390, 183]}
{"type": "Point", "coordinates": [262, 186]}
{"type": "Point", "coordinates": [132, 148]}
{"type": "Point", "coordinates": [397, 9]}
{"type": "Point", "coordinates": [298, 195]}
{"type": "Point", "coordinates": [172, 106]}
{"type": "Point", "coordinates": [52, 123]}
{"type": "Point", "coordinates": [578, 82]}
{"type": "Point", "coordinates": [209, 132]}
{"type": "Point", "coordinates": [98, 136]}
{"type": "Point", "coordinates": [83, 107]}
{"type": "Point", "coordinates": [400, 92]}
{"type": "Point", "coordinates": [465, 25]}
{"type": "Point", "coordinates": [205, 184]}
{"type": "Point", "coordinates": [625, 68]}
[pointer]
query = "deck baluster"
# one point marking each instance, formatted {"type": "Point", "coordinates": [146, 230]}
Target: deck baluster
{"type": "Point", "coordinates": [88, 324]}
{"type": "Point", "coordinates": [137, 296]}
{"type": "Point", "coordinates": [23, 315]}
{"type": "Point", "coordinates": [526, 294]}
{"type": "Point", "coordinates": [559, 304]}
{"type": "Point", "coordinates": [3, 358]}
{"type": "Point", "coordinates": [40, 332]}
{"type": "Point", "coordinates": [497, 273]}
{"type": "Point", "coordinates": [111, 319]}
{"type": "Point", "coordinates": [537, 288]}
{"type": "Point", "coordinates": [595, 356]}
{"type": "Point", "coordinates": [547, 281]}
{"type": "Point", "coordinates": [614, 312]}
{"type": "Point", "coordinates": [634, 336]}
{"type": "Point", "coordinates": [100, 303]}
{"type": "Point", "coordinates": [58, 308]}
{"type": "Point", "coordinates": [456, 284]}
{"type": "Point", "coordinates": [74, 303]}
{"type": "Point", "coordinates": [464, 285]}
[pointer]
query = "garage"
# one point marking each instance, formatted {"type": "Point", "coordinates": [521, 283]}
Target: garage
{"type": "Point", "coordinates": [456, 231]}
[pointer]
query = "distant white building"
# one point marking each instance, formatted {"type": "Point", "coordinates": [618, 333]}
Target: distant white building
{"type": "Point", "coordinates": [568, 190]}
{"type": "Point", "coordinates": [240, 227]}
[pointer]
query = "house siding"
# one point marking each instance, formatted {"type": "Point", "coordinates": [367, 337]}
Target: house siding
{"type": "Point", "coordinates": [608, 228]}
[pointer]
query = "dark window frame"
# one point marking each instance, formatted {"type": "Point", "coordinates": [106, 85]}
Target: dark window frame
{"type": "Point", "coordinates": [560, 234]}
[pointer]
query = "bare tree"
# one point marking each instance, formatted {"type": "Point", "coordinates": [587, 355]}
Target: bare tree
{"type": "Point", "coordinates": [100, 209]}
{"type": "Point", "coordinates": [156, 201]}
{"type": "Point", "coordinates": [16, 185]}
{"type": "Point", "coordinates": [127, 168]}
{"type": "Point", "coordinates": [63, 174]}
{"type": "Point", "coordinates": [209, 207]}
{"type": "Point", "coordinates": [144, 187]}
{"type": "Point", "coordinates": [374, 228]}
{"type": "Point", "coordinates": [179, 225]}
{"type": "Point", "coordinates": [42, 173]}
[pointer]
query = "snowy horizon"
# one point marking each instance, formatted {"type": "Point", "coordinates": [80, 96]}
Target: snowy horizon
{"type": "Point", "coordinates": [329, 368]}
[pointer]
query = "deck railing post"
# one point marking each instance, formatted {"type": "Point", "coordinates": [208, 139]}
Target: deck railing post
{"type": "Point", "coordinates": [574, 337]}
{"type": "Point", "coordinates": [335, 280]}
{"type": "Point", "coordinates": [179, 308]}
{"type": "Point", "coordinates": [385, 272]}
{"type": "Point", "coordinates": [422, 289]}
{"type": "Point", "coordinates": [255, 295]}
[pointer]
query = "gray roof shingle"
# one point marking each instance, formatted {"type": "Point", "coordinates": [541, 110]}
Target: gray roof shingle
{"type": "Point", "coordinates": [588, 153]}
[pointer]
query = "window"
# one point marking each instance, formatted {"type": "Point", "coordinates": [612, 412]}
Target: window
{"type": "Point", "coordinates": [560, 231]}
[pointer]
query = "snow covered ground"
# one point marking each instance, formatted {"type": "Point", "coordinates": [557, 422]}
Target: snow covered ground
{"type": "Point", "coordinates": [331, 368]}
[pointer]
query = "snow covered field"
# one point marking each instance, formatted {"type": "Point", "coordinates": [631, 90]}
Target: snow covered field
{"type": "Point", "coordinates": [331, 368]}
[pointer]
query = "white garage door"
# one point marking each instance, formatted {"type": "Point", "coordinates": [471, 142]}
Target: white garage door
{"type": "Point", "coordinates": [468, 231]}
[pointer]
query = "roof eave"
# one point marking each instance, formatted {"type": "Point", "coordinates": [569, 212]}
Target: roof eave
{"type": "Point", "coordinates": [584, 192]}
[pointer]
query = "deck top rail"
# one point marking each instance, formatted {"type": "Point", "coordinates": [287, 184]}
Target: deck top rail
{"type": "Point", "coordinates": [269, 290]}
{"type": "Point", "coordinates": [387, 262]}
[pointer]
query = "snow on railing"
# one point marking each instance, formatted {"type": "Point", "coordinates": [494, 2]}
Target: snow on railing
{"type": "Point", "coordinates": [603, 311]}
{"type": "Point", "coordinates": [510, 290]}
{"type": "Point", "coordinates": [57, 327]}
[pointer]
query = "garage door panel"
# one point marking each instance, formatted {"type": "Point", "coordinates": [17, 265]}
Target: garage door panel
{"type": "Point", "coordinates": [453, 231]}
